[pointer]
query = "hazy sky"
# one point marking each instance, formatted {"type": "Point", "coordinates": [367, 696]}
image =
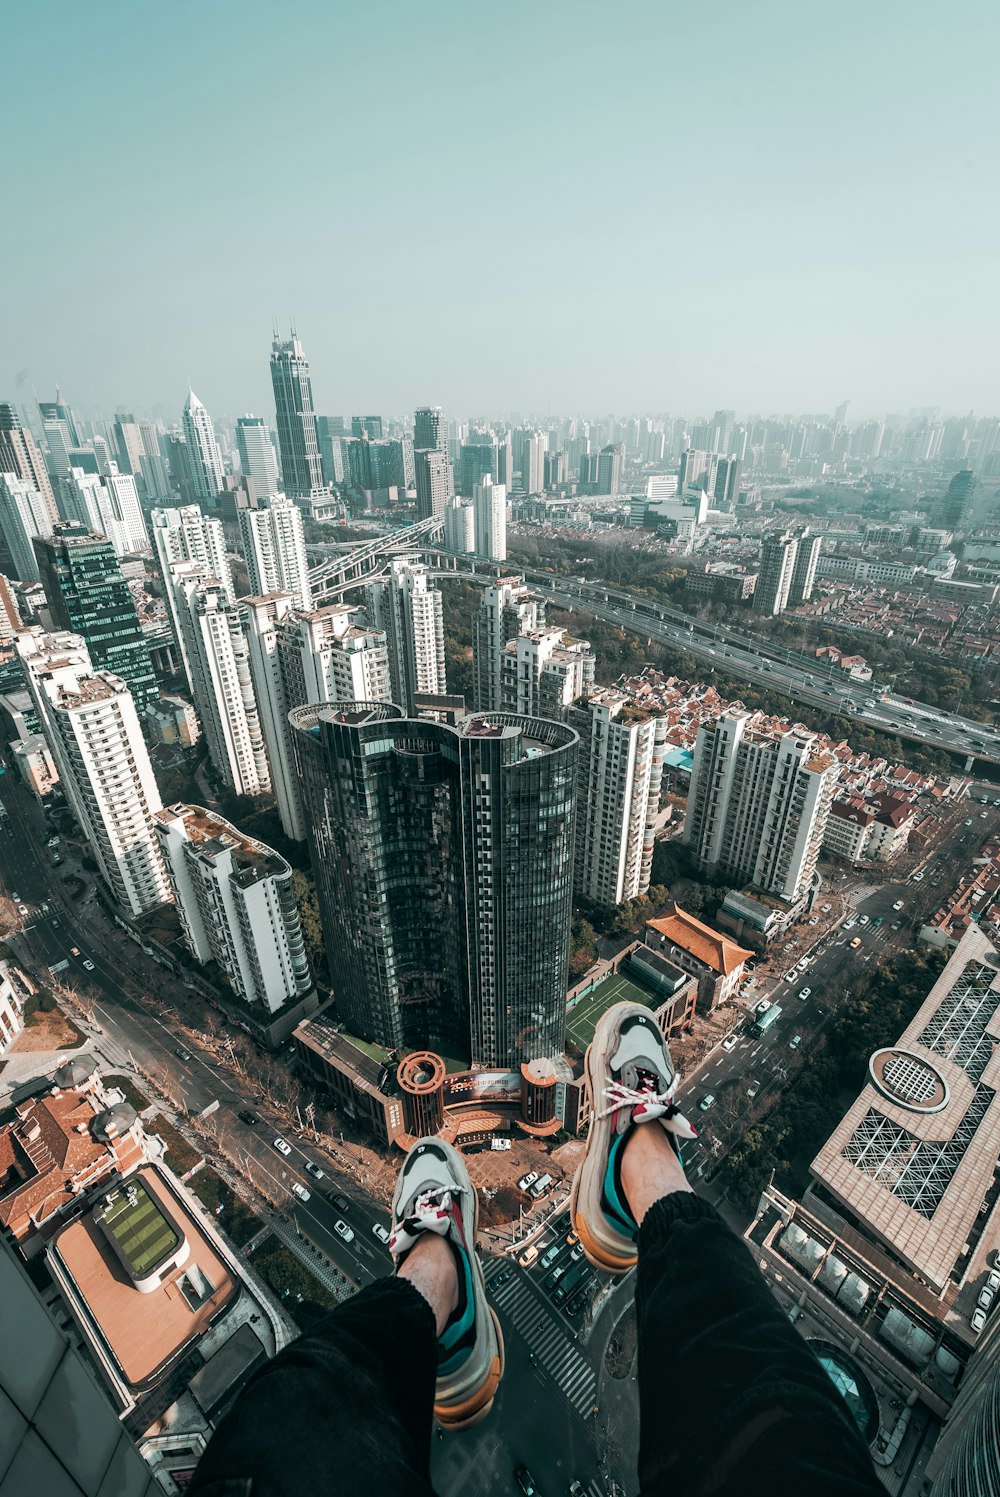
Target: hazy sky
{"type": "Point", "coordinates": [547, 205]}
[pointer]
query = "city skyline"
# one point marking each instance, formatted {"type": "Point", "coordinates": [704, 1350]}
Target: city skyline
{"type": "Point", "coordinates": [837, 277]}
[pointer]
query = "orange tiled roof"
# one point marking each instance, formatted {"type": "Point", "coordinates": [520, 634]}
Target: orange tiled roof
{"type": "Point", "coordinates": [708, 946]}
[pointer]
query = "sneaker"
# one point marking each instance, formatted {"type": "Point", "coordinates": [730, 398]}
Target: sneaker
{"type": "Point", "coordinates": [630, 1081]}
{"type": "Point", "coordinates": [434, 1194]}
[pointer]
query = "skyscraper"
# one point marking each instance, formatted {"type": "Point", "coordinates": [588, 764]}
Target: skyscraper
{"type": "Point", "coordinates": [107, 503]}
{"type": "Point", "coordinates": [59, 410]}
{"type": "Point", "coordinates": [807, 549]}
{"type": "Point", "coordinates": [620, 772]}
{"type": "Point", "coordinates": [90, 722]}
{"type": "Point", "coordinates": [444, 893]}
{"type": "Point", "coordinates": [727, 483]}
{"type": "Point", "coordinates": [459, 527]}
{"type": "Point", "coordinates": [274, 548]}
{"type": "Point", "coordinates": [433, 480]}
{"type": "Point", "coordinates": [236, 905]}
{"type": "Point", "coordinates": [507, 608]}
{"type": "Point", "coordinates": [187, 534]}
{"type": "Point", "coordinates": [953, 511]}
{"type": "Point", "coordinates": [216, 654]}
{"type": "Point", "coordinates": [128, 444]}
{"type": "Point", "coordinates": [19, 455]}
{"type": "Point", "coordinates": [204, 462]}
{"type": "Point", "coordinates": [758, 804]}
{"type": "Point", "coordinates": [610, 467]}
{"type": "Point", "coordinates": [477, 460]}
{"type": "Point", "coordinates": [298, 446]}
{"type": "Point", "coordinates": [256, 450]}
{"type": "Point", "coordinates": [88, 596]}
{"type": "Point", "coordinates": [24, 513]}
{"type": "Point", "coordinates": [777, 565]}
{"type": "Point", "coordinates": [430, 430]}
{"type": "Point", "coordinates": [298, 657]}
{"type": "Point", "coordinates": [489, 505]}
{"type": "Point", "coordinates": [407, 609]}
{"type": "Point", "coordinates": [543, 671]}
{"type": "Point", "coordinates": [528, 449]}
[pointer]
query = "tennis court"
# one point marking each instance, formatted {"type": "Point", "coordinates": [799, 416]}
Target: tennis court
{"type": "Point", "coordinates": [139, 1227]}
{"type": "Point", "coordinates": [582, 1020]}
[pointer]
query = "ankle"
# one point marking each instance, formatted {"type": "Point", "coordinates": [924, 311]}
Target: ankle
{"type": "Point", "coordinates": [650, 1169]}
{"type": "Point", "coordinates": [431, 1268]}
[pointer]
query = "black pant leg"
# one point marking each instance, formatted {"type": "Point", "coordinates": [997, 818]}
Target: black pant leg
{"type": "Point", "coordinates": [346, 1410]}
{"type": "Point", "coordinates": [731, 1399]}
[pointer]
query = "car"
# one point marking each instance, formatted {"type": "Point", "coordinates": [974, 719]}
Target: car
{"type": "Point", "coordinates": [855, 943]}
{"type": "Point", "coordinates": [576, 1489]}
{"type": "Point", "coordinates": [576, 1253]}
{"type": "Point", "coordinates": [56, 860]}
{"type": "Point", "coordinates": [528, 1257]}
{"type": "Point", "coordinates": [88, 965]}
{"type": "Point", "coordinates": [993, 1282]}
{"type": "Point", "coordinates": [528, 1180]}
{"type": "Point", "coordinates": [919, 873]}
{"type": "Point", "coordinates": [382, 1233]}
{"type": "Point", "coordinates": [825, 909]}
{"type": "Point", "coordinates": [15, 896]}
{"type": "Point", "coordinates": [341, 1202]}
{"type": "Point", "coordinates": [525, 1481]}
{"type": "Point", "coordinates": [978, 1321]}
{"type": "Point", "coordinates": [52, 841]}
{"type": "Point", "coordinates": [343, 1230]}
{"type": "Point", "coordinates": [982, 816]}
{"type": "Point", "coordinates": [753, 1089]}
{"type": "Point", "coordinates": [248, 1117]}
{"type": "Point", "coordinates": [804, 993]}
{"type": "Point", "coordinates": [878, 922]}
{"type": "Point", "coordinates": [792, 974]}
{"type": "Point", "coordinates": [996, 802]}
{"type": "Point", "coordinates": [850, 924]}
{"type": "Point", "coordinates": [729, 1042]}
{"type": "Point", "coordinates": [74, 951]}
{"type": "Point", "coordinates": [314, 1170]}
{"type": "Point", "coordinates": [55, 921]}
{"type": "Point", "coordinates": [795, 1042]}
{"type": "Point", "coordinates": [898, 905]}
{"type": "Point", "coordinates": [863, 920]}
{"type": "Point", "coordinates": [22, 909]}
{"type": "Point", "coordinates": [968, 823]}
{"type": "Point", "coordinates": [556, 1275]}
{"type": "Point", "coordinates": [282, 1147]}
{"type": "Point", "coordinates": [182, 1054]}
{"type": "Point", "coordinates": [300, 1191]}
{"type": "Point", "coordinates": [502, 1277]}
{"type": "Point", "coordinates": [707, 1101]}
{"type": "Point", "coordinates": [550, 1255]}
{"type": "Point", "coordinates": [985, 1298]}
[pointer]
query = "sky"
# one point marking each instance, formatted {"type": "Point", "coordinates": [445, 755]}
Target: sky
{"type": "Point", "coordinates": [544, 206]}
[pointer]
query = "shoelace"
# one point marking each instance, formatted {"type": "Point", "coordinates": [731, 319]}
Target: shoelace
{"type": "Point", "coordinates": [646, 1103]}
{"type": "Point", "coordinates": [430, 1212]}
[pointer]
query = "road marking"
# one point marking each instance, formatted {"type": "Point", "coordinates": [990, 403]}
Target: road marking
{"type": "Point", "coordinates": [537, 1324]}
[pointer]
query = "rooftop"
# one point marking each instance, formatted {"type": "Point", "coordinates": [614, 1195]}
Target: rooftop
{"type": "Point", "coordinates": [214, 836]}
{"type": "Point", "coordinates": [708, 946]}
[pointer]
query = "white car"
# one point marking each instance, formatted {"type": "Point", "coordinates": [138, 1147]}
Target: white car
{"type": "Point", "coordinates": [528, 1180]}
{"type": "Point", "coordinates": [804, 993]}
{"type": "Point", "coordinates": [850, 924]}
{"type": "Point", "coordinates": [381, 1233]}
{"type": "Point", "coordinates": [300, 1191]}
{"type": "Point", "coordinates": [919, 873]}
{"type": "Point", "coordinates": [863, 920]}
{"type": "Point", "coordinates": [978, 1320]}
{"type": "Point", "coordinates": [314, 1170]}
{"type": "Point", "coordinates": [729, 1042]}
{"type": "Point", "coordinates": [985, 1298]}
{"type": "Point", "coordinates": [343, 1230]}
{"type": "Point", "coordinates": [898, 905]}
{"type": "Point", "coordinates": [792, 975]}
{"type": "Point", "coordinates": [282, 1147]}
{"type": "Point", "coordinates": [88, 964]}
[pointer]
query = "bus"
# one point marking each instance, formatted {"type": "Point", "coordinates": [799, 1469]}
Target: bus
{"type": "Point", "coordinates": [763, 1022]}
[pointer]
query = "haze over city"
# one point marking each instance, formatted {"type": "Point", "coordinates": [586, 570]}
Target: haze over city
{"type": "Point", "coordinates": [539, 208]}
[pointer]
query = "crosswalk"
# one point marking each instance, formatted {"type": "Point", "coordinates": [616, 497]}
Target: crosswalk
{"type": "Point", "coordinates": [546, 1338]}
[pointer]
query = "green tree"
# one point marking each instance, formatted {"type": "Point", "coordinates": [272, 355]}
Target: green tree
{"type": "Point", "coordinates": [312, 927]}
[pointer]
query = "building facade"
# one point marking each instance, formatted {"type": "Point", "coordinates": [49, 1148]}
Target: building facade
{"type": "Point", "coordinates": [507, 608]}
{"type": "Point", "coordinates": [443, 888]}
{"type": "Point", "coordinates": [543, 671]}
{"type": "Point", "coordinates": [489, 507]}
{"type": "Point", "coordinates": [24, 514]}
{"type": "Point", "coordinates": [204, 462]}
{"type": "Point", "coordinates": [406, 608]}
{"type": "Point", "coordinates": [274, 548]}
{"type": "Point", "coordinates": [298, 444]}
{"type": "Point", "coordinates": [257, 456]}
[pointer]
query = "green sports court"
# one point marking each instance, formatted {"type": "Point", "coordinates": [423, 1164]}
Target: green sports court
{"type": "Point", "coordinates": [138, 1226]}
{"type": "Point", "coordinates": [581, 1020]}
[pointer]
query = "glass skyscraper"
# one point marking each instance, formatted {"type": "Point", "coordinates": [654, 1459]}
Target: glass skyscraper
{"type": "Point", "coordinates": [88, 595]}
{"type": "Point", "coordinates": [443, 859]}
{"type": "Point", "coordinates": [298, 444]}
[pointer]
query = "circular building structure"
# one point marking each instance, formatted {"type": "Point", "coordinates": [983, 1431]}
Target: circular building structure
{"type": "Point", "coordinates": [851, 1383]}
{"type": "Point", "coordinates": [421, 1081]}
{"type": "Point", "coordinates": [909, 1080]}
{"type": "Point", "coordinates": [538, 1098]}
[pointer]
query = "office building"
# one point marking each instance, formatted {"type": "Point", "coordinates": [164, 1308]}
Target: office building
{"type": "Point", "coordinates": [298, 444]}
{"type": "Point", "coordinates": [965, 1461]}
{"type": "Point", "coordinates": [59, 410]}
{"type": "Point", "coordinates": [477, 460]}
{"type": "Point", "coordinates": [954, 509]}
{"type": "Point", "coordinates": [24, 514]}
{"type": "Point", "coordinates": [257, 456]}
{"type": "Point", "coordinates": [217, 655]}
{"type": "Point", "coordinates": [727, 483]}
{"type": "Point", "coordinates": [236, 905]}
{"type": "Point", "coordinates": [20, 456]}
{"type": "Point", "coordinates": [807, 549]}
{"type": "Point", "coordinates": [610, 469]}
{"type": "Point", "coordinates": [698, 469]}
{"type": "Point", "coordinates": [367, 426]}
{"type": "Point", "coordinates": [90, 721]}
{"type": "Point", "coordinates": [331, 434]}
{"type": "Point", "coordinates": [129, 445]}
{"type": "Point", "coordinates": [543, 671]}
{"type": "Point", "coordinates": [619, 776]}
{"type": "Point", "coordinates": [107, 503]}
{"type": "Point", "coordinates": [203, 459]}
{"type": "Point", "coordinates": [777, 564]}
{"type": "Point", "coordinates": [758, 805]}
{"type": "Point", "coordinates": [297, 657]}
{"type": "Point", "coordinates": [430, 429]}
{"type": "Point", "coordinates": [444, 892]}
{"type": "Point", "coordinates": [10, 618]}
{"type": "Point", "coordinates": [507, 609]}
{"type": "Point", "coordinates": [460, 527]}
{"type": "Point", "coordinates": [274, 548]}
{"type": "Point", "coordinates": [433, 481]}
{"type": "Point", "coordinates": [406, 608]}
{"type": "Point", "coordinates": [188, 534]}
{"type": "Point", "coordinates": [87, 595]}
{"type": "Point", "coordinates": [489, 506]}
{"type": "Point", "coordinates": [556, 470]}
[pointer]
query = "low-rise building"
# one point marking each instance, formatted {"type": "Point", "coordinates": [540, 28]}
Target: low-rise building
{"type": "Point", "coordinates": [173, 720]}
{"type": "Point", "coordinates": [873, 830]}
{"type": "Point", "coordinates": [15, 990]}
{"type": "Point", "coordinates": [34, 763]}
{"type": "Point", "coordinates": [715, 960]}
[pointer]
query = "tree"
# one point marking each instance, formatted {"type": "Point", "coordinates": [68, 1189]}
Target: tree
{"type": "Point", "coordinates": [312, 927]}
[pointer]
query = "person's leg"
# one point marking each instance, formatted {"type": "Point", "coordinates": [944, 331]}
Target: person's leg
{"type": "Point", "coordinates": [731, 1399]}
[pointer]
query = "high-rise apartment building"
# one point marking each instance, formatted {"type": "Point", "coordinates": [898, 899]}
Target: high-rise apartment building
{"type": "Point", "coordinates": [489, 506]}
{"type": "Point", "coordinates": [217, 656]}
{"type": "Point", "coordinates": [128, 444]}
{"type": "Point", "coordinates": [620, 772]}
{"type": "Point", "coordinates": [188, 534]}
{"type": "Point", "coordinates": [407, 609]}
{"type": "Point", "coordinates": [758, 804]}
{"type": "Point", "coordinates": [298, 444]}
{"type": "Point", "coordinates": [10, 618]}
{"type": "Point", "coordinates": [955, 507]}
{"type": "Point", "coordinates": [299, 657]}
{"type": "Point", "coordinates": [444, 892]}
{"type": "Point", "coordinates": [204, 461]}
{"type": "Point", "coordinates": [20, 456]}
{"type": "Point", "coordinates": [528, 449]}
{"type": "Point", "coordinates": [88, 596]}
{"type": "Point", "coordinates": [432, 471]}
{"type": "Point", "coordinates": [543, 671]}
{"type": "Point", "coordinates": [107, 503]}
{"type": "Point", "coordinates": [610, 469]}
{"type": "Point", "coordinates": [459, 527]}
{"type": "Point", "coordinates": [257, 455]}
{"type": "Point", "coordinates": [507, 608]}
{"type": "Point", "coordinates": [807, 549]}
{"type": "Point", "coordinates": [236, 905]}
{"type": "Point", "coordinates": [274, 548]}
{"type": "Point", "coordinates": [92, 728]}
{"type": "Point", "coordinates": [24, 514]}
{"type": "Point", "coordinates": [777, 564]}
